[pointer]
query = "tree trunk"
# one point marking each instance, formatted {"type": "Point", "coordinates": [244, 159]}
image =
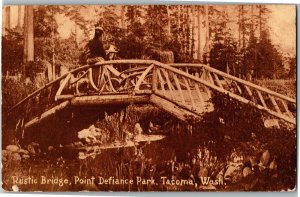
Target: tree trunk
{"type": "Point", "coordinates": [123, 17]}
{"type": "Point", "coordinates": [169, 23]}
{"type": "Point", "coordinates": [53, 46]}
{"type": "Point", "coordinates": [7, 17]}
{"type": "Point", "coordinates": [239, 23]}
{"type": "Point", "coordinates": [193, 33]}
{"type": "Point", "coordinates": [260, 20]}
{"type": "Point", "coordinates": [243, 26]}
{"type": "Point", "coordinates": [207, 30]}
{"type": "Point", "coordinates": [199, 35]}
{"type": "Point", "coordinates": [19, 16]}
{"type": "Point", "coordinates": [252, 19]}
{"type": "Point", "coordinates": [6, 20]}
{"type": "Point", "coordinates": [29, 35]}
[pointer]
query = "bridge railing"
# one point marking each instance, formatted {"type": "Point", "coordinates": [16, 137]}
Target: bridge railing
{"type": "Point", "coordinates": [110, 77]}
{"type": "Point", "coordinates": [272, 102]}
{"type": "Point", "coordinates": [187, 85]}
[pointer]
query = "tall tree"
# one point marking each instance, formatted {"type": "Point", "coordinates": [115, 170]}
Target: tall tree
{"type": "Point", "coordinates": [6, 19]}
{"type": "Point", "coordinates": [263, 15]}
{"type": "Point", "coordinates": [29, 34]}
{"type": "Point", "coordinates": [19, 16]}
{"type": "Point", "coordinates": [199, 14]}
{"type": "Point", "coordinates": [223, 53]}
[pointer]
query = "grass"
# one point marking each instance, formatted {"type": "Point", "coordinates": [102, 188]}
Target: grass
{"type": "Point", "coordinates": [282, 86]}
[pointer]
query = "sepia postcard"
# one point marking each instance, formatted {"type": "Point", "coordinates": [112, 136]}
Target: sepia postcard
{"type": "Point", "coordinates": [149, 98]}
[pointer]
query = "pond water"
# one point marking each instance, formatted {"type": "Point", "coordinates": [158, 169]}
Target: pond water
{"type": "Point", "coordinates": [177, 158]}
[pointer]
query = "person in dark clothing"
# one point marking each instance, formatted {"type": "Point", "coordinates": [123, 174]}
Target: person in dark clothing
{"type": "Point", "coordinates": [96, 53]}
{"type": "Point", "coordinates": [95, 45]}
{"type": "Point", "coordinates": [94, 49]}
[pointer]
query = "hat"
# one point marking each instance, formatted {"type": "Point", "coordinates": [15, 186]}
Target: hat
{"type": "Point", "coordinates": [98, 28]}
{"type": "Point", "coordinates": [111, 49]}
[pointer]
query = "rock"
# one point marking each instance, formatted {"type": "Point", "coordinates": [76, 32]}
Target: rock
{"type": "Point", "coordinates": [246, 172]}
{"type": "Point", "coordinates": [12, 148]}
{"type": "Point", "coordinates": [88, 134]}
{"type": "Point", "coordinates": [25, 156]}
{"type": "Point", "coordinates": [138, 129]}
{"type": "Point", "coordinates": [265, 158]}
{"type": "Point", "coordinates": [15, 188]}
{"type": "Point", "coordinates": [16, 157]}
{"type": "Point", "coordinates": [23, 151]}
{"type": "Point", "coordinates": [269, 123]}
{"type": "Point", "coordinates": [50, 148]}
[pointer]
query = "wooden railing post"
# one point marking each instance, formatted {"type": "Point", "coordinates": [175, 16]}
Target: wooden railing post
{"type": "Point", "coordinates": [154, 79]}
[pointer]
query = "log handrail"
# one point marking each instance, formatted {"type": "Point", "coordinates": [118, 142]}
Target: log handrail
{"type": "Point", "coordinates": [161, 76]}
{"type": "Point", "coordinates": [236, 96]}
{"type": "Point", "coordinates": [223, 74]}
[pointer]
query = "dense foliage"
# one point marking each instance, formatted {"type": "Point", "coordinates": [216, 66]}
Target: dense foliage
{"type": "Point", "coordinates": [145, 31]}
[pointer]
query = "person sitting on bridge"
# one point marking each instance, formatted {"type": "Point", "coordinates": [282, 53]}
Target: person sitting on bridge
{"type": "Point", "coordinates": [111, 53]}
{"type": "Point", "coordinates": [94, 49]}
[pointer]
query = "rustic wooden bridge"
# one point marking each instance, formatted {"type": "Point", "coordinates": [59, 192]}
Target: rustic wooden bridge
{"type": "Point", "coordinates": [181, 89]}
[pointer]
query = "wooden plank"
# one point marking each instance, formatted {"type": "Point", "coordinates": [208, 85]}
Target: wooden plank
{"type": "Point", "coordinates": [154, 79]}
{"type": "Point", "coordinates": [110, 82]}
{"type": "Point", "coordinates": [248, 90]}
{"type": "Point", "coordinates": [171, 88]}
{"type": "Point", "coordinates": [161, 81]}
{"type": "Point", "coordinates": [77, 79]}
{"type": "Point", "coordinates": [62, 86]}
{"type": "Point", "coordinates": [262, 99]}
{"type": "Point", "coordinates": [218, 80]}
{"type": "Point", "coordinates": [101, 80]}
{"type": "Point", "coordinates": [64, 97]}
{"type": "Point", "coordinates": [97, 100]}
{"type": "Point", "coordinates": [142, 77]}
{"type": "Point", "coordinates": [46, 114]}
{"type": "Point", "coordinates": [210, 78]}
{"type": "Point", "coordinates": [286, 108]}
{"type": "Point", "coordinates": [237, 87]}
{"type": "Point", "coordinates": [275, 104]}
{"type": "Point", "coordinates": [172, 108]}
{"type": "Point", "coordinates": [179, 88]}
{"type": "Point", "coordinates": [200, 96]}
{"type": "Point", "coordinates": [190, 93]}
{"type": "Point", "coordinates": [91, 80]}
